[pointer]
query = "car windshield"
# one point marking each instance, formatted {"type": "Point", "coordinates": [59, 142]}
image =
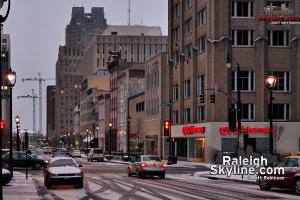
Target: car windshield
{"type": "Point", "coordinates": [149, 158]}
{"type": "Point", "coordinates": [63, 162]}
{"type": "Point", "coordinates": [98, 151]}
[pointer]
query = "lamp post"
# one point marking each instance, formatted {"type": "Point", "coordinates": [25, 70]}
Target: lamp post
{"type": "Point", "coordinates": [2, 20]}
{"type": "Point", "coordinates": [128, 134]}
{"type": "Point", "coordinates": [87, 144]}
{"type": "Point", "coordinates": [110, 126]}
{"type": "Point", "coordinates": [91, 140]}
{"type": "Point", "coordinates": [17, 120]}
{"type": "Point", "coordinates": [241, 145]}
{"type": "Point", "coordinates": [97, 128]}
{"type": "Point", "coordinates": [10, 77]}
{"type": "Point", "coordinates": [271, 81]}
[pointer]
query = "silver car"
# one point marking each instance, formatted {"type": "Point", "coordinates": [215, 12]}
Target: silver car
{"type": "Point", "coordinates": [147, 165]}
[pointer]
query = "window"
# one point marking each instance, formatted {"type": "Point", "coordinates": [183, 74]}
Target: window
{"type": "Point", "coordinates": [280, 111]}
{"type": "Point", "coordinates": [202, 17]}
{"type": "Point", "coordinates": [175, 118]}
{"type": "Point", "coordinates": [242, 9]}
{"type": "Point", "coordinates": [139, 107]}
{"type": "Point", "coordinates": [201, 44]}
{"type": "Point", "coordinates": [276, 4]}
{"type": "Point", "coordinates": [188, 51]}
{"type": "Point", "coordinates": [188, 26]}
{"type": "Point", "coordinates": [248, 111]}
{"type": "Point", "coordinates": [175, 93]}
{"type": "Point", "coordinates": [247, 79]}
{"type": "Point", "coordinates": [200, 113]}
{"type": "Point", "coordinates": [176, 34]}
{"type": "Point", "coordinates": [176, 11]}
{"type": "Point", "coordinates": [187, 89]}
{"type": "Point", "coordinates": [187, 115]}
{"type": "Point", "coordinates": [200, 84]}
{"type": "Point", "coordinates": [278, 38]}
{"type": "Point", "coordinates": [242, 38]}
{"type": "Point", "coordinates": [283, 83]}
{"type": "Point", "coordinates": [187, 4]}
{"type": "Point", "coordinates": [176, 57]}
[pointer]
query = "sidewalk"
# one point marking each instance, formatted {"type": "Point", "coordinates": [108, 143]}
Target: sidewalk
{"type": "Point", "coordinates": [20, 188]}
{"type": "Point", "coordinates": [249, 179]}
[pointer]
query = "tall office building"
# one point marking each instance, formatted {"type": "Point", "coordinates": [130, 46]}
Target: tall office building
{"type": "Point", "coordinates": [82, 28]}
{"type": "Point", "coordinates": [51, 94]}
{"type": "Point", "coordinates": [202, 33]}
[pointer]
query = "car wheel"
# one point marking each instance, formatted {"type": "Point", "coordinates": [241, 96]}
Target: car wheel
{"type": "Point", "coordinates": [264, 185]}
{"type": "Point", "coordinates": [48, 185]}
{"type": "Point", "coordinates": [163, 176]}
{"type": "Point", "coordinates": [37, 166]}
{"type": "Point", "coordinates": [128, 172]}
{"type": "Point", "coordinates": [102, 159]}
{"type": "Point", "coordinates": [139, 174]}
{"type": "Point", "coordinates": [297, 186]}
{"type": "Point", "coordinates": [80, 185]}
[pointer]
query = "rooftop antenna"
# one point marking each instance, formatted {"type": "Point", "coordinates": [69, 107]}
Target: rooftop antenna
{"type": "Point", "coordinates": [129, 5]}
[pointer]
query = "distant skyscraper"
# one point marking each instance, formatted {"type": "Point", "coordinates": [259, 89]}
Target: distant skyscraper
{"type": "Point", "coordinates": [82, 28]}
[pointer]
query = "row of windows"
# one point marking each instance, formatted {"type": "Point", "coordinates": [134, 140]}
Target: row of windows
{"type": "Point", "coordinates": [280, 112]}
{"type": "Point", "coordinates": [152, 107]}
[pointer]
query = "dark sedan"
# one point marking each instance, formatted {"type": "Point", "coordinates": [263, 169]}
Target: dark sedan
{"type": "Point", "coordinates": [19, 160]}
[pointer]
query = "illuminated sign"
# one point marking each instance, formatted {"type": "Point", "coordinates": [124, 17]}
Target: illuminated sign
{"type": "Point", "coordinates": [225, 130]}
{"type": "Point", "coordinates": [188, 130]}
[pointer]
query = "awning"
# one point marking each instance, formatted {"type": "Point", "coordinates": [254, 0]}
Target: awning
{"type": "Point", "coordinates": [88, 139]}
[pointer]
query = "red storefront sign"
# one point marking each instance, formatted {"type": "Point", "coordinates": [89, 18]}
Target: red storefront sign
{"type": "Point", "coordinates": [188, 130]}
{"type": "Point", "coordinates": [225, 130]}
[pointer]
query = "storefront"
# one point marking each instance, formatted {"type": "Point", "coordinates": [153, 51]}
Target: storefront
{"type": "Point", "coordinates": [200, 142]}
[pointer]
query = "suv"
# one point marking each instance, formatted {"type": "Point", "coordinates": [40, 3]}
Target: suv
{"type": "Point", "coordinates": [95, 154]}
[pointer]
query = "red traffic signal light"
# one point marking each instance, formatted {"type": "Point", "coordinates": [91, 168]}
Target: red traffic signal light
{"type": "Point", "coordinates": [166, 124]}
{"type": "Point", "coordinates": [2, 124]}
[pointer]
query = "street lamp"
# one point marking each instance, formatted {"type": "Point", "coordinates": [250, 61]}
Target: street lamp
{"type": "Point", "coordinates": [110, 126]}
{"type": "Point", "coordinates": [97, 128]}
{"type": "Point", "coordinates": [228, 65]}
{"type": "Point", "coordinates": [271, 81]}
{"type": "Point", "coordinates": [17, 120]}
{"type": "Point", "coordinates": [128, 135]}
{"type": "Point", "coordinates": [87, 144]}
{"type": "Point", "coordinates": [10, 77]}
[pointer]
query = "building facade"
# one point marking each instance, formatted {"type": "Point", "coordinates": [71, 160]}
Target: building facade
{"type": "Point", "coordinates": [156, 103]}
{"type": "Point", "coordinates": [80, 31]}
{"type": "Point", "coordinates": [51, 94]}
{"type": "Point", "coordinates": [202, 34]}
{"type": "Point", "coordinates": [103, 104]}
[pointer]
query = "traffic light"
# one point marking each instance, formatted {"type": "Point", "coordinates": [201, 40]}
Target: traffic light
{"type": "Point", "coordinates": [232, 119]}
{"type": "Point", "coordinates": [167, 127]}
{"type": "Point", "coordinates": [201, 98]}
{"type": "Point", "coordinates": [2, 124]}
{"type": "Point", "coordinates": [212, 98]}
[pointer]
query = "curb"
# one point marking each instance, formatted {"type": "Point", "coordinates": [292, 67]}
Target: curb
{"type": "Point", "coordinates": [227, 179]}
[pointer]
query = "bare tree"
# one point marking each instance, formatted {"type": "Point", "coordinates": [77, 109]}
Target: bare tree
{"type": "Point", "coordinates": [279, 131]}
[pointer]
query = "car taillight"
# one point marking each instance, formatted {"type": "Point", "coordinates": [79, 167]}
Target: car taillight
{"type": "Point", "coordinates": [143, 164]}
{"type": "Point", "coordinates": [45, 170]}
{"type": "Point", "coordinates": [164, 165]}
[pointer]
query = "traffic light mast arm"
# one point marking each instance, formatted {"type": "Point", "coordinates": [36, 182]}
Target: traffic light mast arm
{"type": "Point", "coordinates": [221, 91]}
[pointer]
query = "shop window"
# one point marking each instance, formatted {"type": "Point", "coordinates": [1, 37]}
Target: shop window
{"type": "Point", "coordinates": [262, 145]}
{"type": "Point", "coordinates": [247, 79]}
{"type": "Point", "coordinates": [242, 38]}
{"type": "Point", "coordinates": [242, 9]}
{"type": "Point", "coordinates": [283, 82]}
{"type": "Point", "coordinates": [278, 38]}
{"type": "Point", "coordinates": [280, 111]}
{"type": "Point", "coordinates": [202, 17]}
{"type": "Point", "coordinates": [181, 147]}
{"type": "Point", "coordinates": [229, 144]}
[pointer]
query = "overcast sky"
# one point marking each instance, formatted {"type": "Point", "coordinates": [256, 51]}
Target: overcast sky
{"type": "Point", "coordinates": [37, 28]}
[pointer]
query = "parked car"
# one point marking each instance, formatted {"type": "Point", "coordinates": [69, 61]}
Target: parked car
{"type": "Point", "coordinates": [289, 180]}
{"type": "Point", "coordinates": [95, 154]}
{"type": "Point", "coordinates": [63, 170]}
{"type": "Point", "coordinates": [6, 176]}
{"type": "Point", "coordinates": [5, 151]}
{"type": "Point", "coordinates": [19, 160]}
{"type": "Point", "coordinates": [75, 153]}
{"type": "Point", "coordinates": [147, 165]}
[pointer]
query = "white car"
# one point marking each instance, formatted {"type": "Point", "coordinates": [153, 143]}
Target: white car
{"type": "Point", "coordinates": [47, 150]}
{"type": "Point", "coordinates": [63, 170]}
{"type": "Point", "coordinates": [76, 153]}
{"type": "Point", "coordinates": [95, 154]}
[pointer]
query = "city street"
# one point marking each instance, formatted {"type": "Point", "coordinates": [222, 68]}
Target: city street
{"type": "Point", "coordinates": [110, 181]}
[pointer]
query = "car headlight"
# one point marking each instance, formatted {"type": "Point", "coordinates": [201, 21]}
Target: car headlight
{"type": "Point", "coordinates": [51, 174]}
{"type": "Point", "coordinates": [79, 174]}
